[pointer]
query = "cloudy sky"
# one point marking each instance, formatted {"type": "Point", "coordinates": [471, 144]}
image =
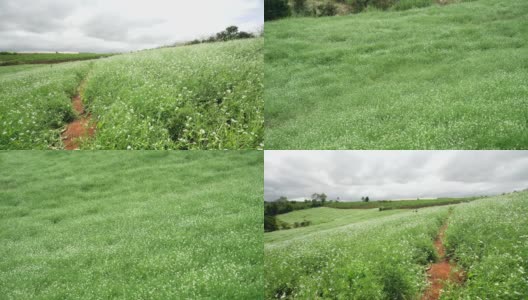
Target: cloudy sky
{"type": "Point", "coordinates": [393, 174]}
{"type": "Point", "coordinates": [118, 25]}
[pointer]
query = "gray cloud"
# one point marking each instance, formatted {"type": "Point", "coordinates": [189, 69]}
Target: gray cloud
{"type": "Point", "coordinates": [118, 25]}
{"type": "Point", "coordinates": [393, 174]}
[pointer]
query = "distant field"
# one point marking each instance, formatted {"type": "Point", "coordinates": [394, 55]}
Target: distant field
{"type": "Point", "coordinates": [439, 77]}
{"type": "Point", "coordinates": [323, 218]}
{"type": "Point", "coordinates": [131, 225]}
{"type": "Point", "coordinates": [386, 257]}
{"type": "Point", "coordinates": [45, 58]}
{"type": "Point", "coordinates": [400, 204]}
{"type": "Point", "coordinates": [207, 96]}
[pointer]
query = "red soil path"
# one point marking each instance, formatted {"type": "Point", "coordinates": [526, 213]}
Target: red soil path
{"type": "Point", "coordinates": [79, 128]}
{"type": "Point", "coordinates": [440, 272]}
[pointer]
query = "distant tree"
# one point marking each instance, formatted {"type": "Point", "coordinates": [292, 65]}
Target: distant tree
{"type": "Point", "coordinates": [367, 199]}
{"type": "Point", "coordinates": [323, 198]}
{"type": "Point", "coordinates": [244, 35]}
{"type": "Point", "coordinates": [363, 199]}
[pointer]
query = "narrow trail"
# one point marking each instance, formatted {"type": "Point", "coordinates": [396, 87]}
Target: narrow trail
{"type": "Point", "coordinates": [79, 128]}
{"type": "Point", "coordinates": [442, 271]}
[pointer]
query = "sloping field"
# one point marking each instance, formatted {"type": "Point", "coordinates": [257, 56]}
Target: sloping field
{"type": "Point", "coordinates": [131, 225]}
{"type": "Point", "coordinates": [323, 218]}
{"type": "Point", "coordinates": [207, 96]}
{"type": "Point", "coordinates": [440, 77]}
{"type": "Point", "coordinates": [387, 257]}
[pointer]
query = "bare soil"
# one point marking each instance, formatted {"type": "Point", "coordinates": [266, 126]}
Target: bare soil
{"type": "Point", "coordinates": [79, 128]}
{"type": "Point", "coordinates": [441, 272]}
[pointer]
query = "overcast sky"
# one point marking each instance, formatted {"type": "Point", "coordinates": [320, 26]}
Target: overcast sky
{"type": "Point", "coordinates": [118, 25]}
{"type": "Point", "coordinates": [393, 174]}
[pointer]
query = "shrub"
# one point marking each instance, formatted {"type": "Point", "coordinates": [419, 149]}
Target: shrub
{"type": "Point", "coordinates": [276, 9]}
{"type": "Point", "coordinates": [299, 6]}
{"type": "Point", "coordinates": [326, 9]}
{"type": "Point", "coordinates": [270, 223]}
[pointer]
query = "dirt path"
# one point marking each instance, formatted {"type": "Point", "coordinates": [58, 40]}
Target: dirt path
{"type": "Point", "coordinates": [442, 271]}
{"type": "Point", "coordinates": [78, 128]}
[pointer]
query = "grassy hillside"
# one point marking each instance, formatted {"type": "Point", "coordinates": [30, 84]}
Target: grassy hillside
{"type": "Point", "coordinates": [441, 77]}
{"type": "Point", "coordinates": [380, 258]}
{"type": "Point", "coordinates": [131, 225]}
{"type": "Point", "coordinates": [207, 96]}
{"type": "Point", "coordinates": [386, 258]}
{"type": "Point", "coordinates": [45, 58]}
{"type": "Point", "coordinates": [489, 239]}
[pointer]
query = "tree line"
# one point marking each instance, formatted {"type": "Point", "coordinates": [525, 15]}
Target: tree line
{"type": "Point", "coordinates": [230, 33]}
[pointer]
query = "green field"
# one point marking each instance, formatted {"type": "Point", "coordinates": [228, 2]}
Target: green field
{"type": "Point", "coordinates": [323, 218]}
{"type": "Point", "coordinates": [207, 96]}
{"type": "Point", "coordinates": [386, 256]}
{"type": "Point", "coordinates": [439, 77]}
{"type": "Point", "coordinates": [45, 58]}
{"type": "Point", "coordinates": [398, 204]}
{"type": "Point", "coordinates": [131, 225]}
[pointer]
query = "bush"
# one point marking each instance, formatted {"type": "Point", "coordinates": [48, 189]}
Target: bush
{"type": "Point", "coordinates": [327, 9]}
{"type": "Point", "coordinates": [270, 223]}
{"type": "Point", "coordinates": [276, 9]}
{"type": "Point", "coordinates": [299, 6]}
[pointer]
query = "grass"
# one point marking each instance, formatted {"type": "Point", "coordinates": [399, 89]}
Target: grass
{"type": "Point", "coordinates": [440, 77]}
{"type": "Point", "coordinates": [45, 58]}
{"type": "Point", "coordinates": [489, 239]}
{"type": "Point", "coordinates": [207, 96]}
{"type": "Point", "coordinates": [131, 225]}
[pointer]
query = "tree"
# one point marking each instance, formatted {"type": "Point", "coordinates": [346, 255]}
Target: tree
{"type": "Point", "coordinates": [276, 9]}
{"type": "Point", "coordinates": [270, 223]}
{"type": "Point", "coordinates": [367, 199]}
{"type": "Point", "coordinates": [299, 6]}
{"type": "Point", "coordinates": [323, 198]}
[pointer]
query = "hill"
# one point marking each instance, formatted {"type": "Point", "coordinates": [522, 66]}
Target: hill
{"type": "Point", "coordinates": [439, 77]}
{"type": "Point", "coordinates": [206, 96]}
{"type": "Point", "coordinates": [392, 256]}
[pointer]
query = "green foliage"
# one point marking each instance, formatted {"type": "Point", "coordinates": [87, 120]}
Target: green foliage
{"type": "Point", "coordinates": [270, 223]}
{"type": "Point", "coordinates": [441, 77]}
{"type": "Point", "coordinates": [299, 6]}
{"type": "Point", "coordinates": [276, 9]}
{"type": "Point", "coordinates": [489, 239]}
{"type": "Point", "coordinates": [195, 97]}
{"type": "Point", "coordinates": [326, 9]}
{"type": "Point", "coordinates": [131, 225]}
{"type": "Point", "coordinates": [35, 104]}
